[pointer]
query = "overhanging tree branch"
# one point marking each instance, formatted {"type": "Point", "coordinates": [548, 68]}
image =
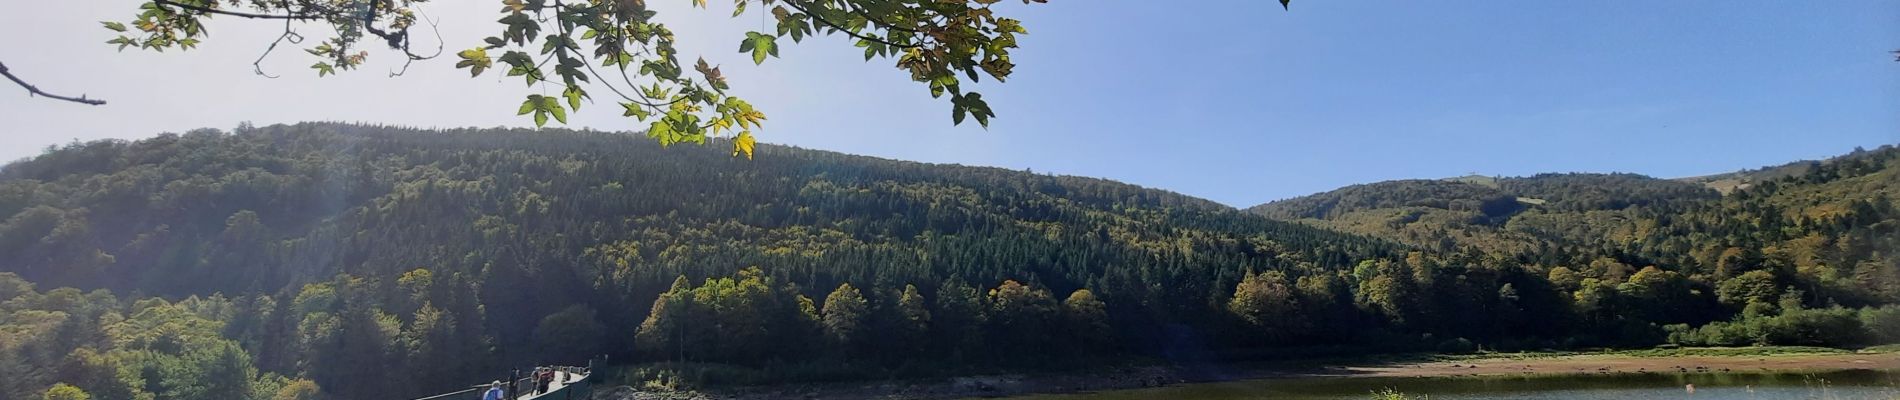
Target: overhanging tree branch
{"type": "Point", "coordinates": [209, 10]}
{"type": "Point", "coordinates": [413, 57]}
{"type": "Point", "coordinates": [35, 91]}
{"type": "Point", "coordinates": [841, 28]}
{"type": "Point", "coordinates": [873, 19]}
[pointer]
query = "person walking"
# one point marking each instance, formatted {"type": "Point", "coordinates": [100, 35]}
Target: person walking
{"type": "Point", "coordinates": [494, 392]}
{"type": "Point", "coordinates": [540, 385]}
{"type": "Point", "coordinates": [514, 382]}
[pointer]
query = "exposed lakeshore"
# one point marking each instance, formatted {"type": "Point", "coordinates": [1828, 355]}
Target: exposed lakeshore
{"type": "Point", "coordinates": [1488, 365]}
{"type": "Point", "coordinates": [1622, 364]}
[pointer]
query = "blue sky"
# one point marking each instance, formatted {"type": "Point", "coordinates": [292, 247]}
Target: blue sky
{"type": "Point", "coordinates": [1232, 100]}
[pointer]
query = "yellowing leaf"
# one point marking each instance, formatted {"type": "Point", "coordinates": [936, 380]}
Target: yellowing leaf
{"type": "Point", "coordinates": [743, 144]}
{"type": "Point", "coordinates": [476, 60]}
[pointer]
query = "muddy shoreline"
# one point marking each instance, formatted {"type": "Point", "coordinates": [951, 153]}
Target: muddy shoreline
{"type": "Point", "coordinates": [1153, 376]}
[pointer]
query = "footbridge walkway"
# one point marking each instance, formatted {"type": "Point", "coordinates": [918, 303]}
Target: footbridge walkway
{"type": "Point", "coordinates": [570, 383]}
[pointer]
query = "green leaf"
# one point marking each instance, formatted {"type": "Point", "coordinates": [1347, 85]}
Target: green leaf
{"type": "Point", "coordinates": [973, 104]}
{"type": "Point", "coordinates": [635, 110]}
{"type": "Point", "coordinates": [574, 95]}
{"type": "Point", "coordinates": [521, 28]}
{"type": "Point", "coordinates": [542, 106]}
{"type": "Point", "coordinates": [570, 70]}
{"type": "Point", "coordinates": [760, 45]}
{"type": "Point", "coordinates": [553, 106]}
{"type": "Point", "coordinates": [661, 132]}
{"type": "Point", "coordinates": [978, 108]}
{"type": "Point", "coordinates": [122, 41]}
{"type": "Point", "coordinates": [114, 26]}
{"type": "Point", "coordinates": [520, 64]}
{"type": "Point", "coordinates": [529, 106]}
{"type": "Point", "coordinates": [656, 91]}
{"type": "Point", "coordinates": [323, 69]}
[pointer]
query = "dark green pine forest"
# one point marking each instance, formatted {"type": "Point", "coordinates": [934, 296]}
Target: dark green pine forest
{"type": "Point", "coordinates": [338, 261]}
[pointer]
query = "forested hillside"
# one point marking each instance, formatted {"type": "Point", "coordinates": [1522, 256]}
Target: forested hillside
{"type": "Point", "coordinates": [1509, 216]}
{"type": "Point", "coordinates": [317, 248]}
{"type": "Point", "coordinates": [1763, 257]}
{"type": "Point", "coordinates": [1837, 213]}
{"type": "Point", "coordinates": [1456, 196]}
{"type": "Point", "coordinates": [279, 262]}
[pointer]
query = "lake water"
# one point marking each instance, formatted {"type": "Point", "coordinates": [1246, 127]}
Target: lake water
{"type": "Point", "coordinates": [1844, 385]}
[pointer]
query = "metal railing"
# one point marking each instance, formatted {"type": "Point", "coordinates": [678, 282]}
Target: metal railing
{"type": "Point", "coordinates": [471, 389]}
{"type": "Point", "coordinates": [571, 379]}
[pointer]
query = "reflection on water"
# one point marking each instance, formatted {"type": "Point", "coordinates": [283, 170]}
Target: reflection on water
{"type": "Point", "coordinates": [1844, 385]}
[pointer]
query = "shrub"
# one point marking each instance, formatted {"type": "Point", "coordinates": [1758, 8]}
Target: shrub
{"type": "Point", "coordinates": [1711, 334]}
{"type": "Point", "coordinates": [1817, 327]}
{"type": "Point", "coordinates": [1681, 334]}
{"type": "Point", "coordinates": [1393, 394]}
{"type": "Point", "coordinates": [1882, 324]}
{"type": "Point", "coordinates": [1725, 334]}
{"type": "Point", "coordinates": [1457, 346]}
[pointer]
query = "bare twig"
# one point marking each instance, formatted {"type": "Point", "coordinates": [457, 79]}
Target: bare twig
{"type": "Point", "coordinates": [439, 44]}
{"type": "Point", "coordinates": [35, 91]}
{"type": "Point", "coordinates": [290, 35]}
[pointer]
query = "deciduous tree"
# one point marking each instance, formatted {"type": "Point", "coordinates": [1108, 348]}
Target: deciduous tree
{"type": "Point", "coordinates": [1085, 318]}
{"type": "Point", "coordinates": [844, 314]}
{"type": "Point", "coordinates": [570, 336]}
